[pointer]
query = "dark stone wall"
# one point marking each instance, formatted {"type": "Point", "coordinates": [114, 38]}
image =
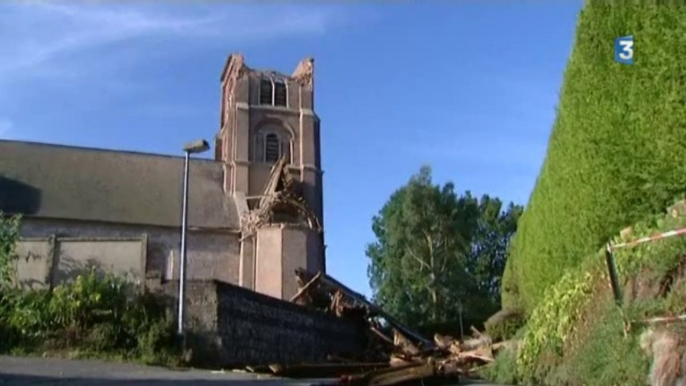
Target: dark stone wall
{"type": "Point", "coordinates": [232, 326]}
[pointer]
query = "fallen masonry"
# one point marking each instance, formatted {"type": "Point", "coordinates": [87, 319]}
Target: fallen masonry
{"type": "Point", "coordinates": [395, 354]}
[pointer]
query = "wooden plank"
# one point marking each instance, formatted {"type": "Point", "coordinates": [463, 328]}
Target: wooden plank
{"type": "Point", "coordinates": [306, 287]}
{"type": "Point", "coordinates": [406, 345]}
{"type": "Point", "coordinates": [503, 345]}
{"type": "Point", "coordinates": [382, 335]}
{"type": "Point", "coordinates": [478, 357]}
{"type": "Point", "coordinates": [476, 332]}
{"type": "Point", "coordinates": [443, 341]}
{"type": "Point", "coordinates": [666, 319]}
{"type": "Point", "coordinates": [474, 343]}
{"type": "Point", "coordinates": [326, 279]}
{"type": "Point", "coordinates": [258, 369]}
{"type": "Point", "coordinates": [402, 375]}
{"type": "Point", "coordinates": [325, 370]}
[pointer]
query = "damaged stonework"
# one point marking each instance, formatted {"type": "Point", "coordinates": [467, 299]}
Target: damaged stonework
{"type": "Point", "coordinates": [304, 73]}
{"type": "Point", "coordinates": [280, 233]}
{"type": "Point", "coordinates": [279, 203]}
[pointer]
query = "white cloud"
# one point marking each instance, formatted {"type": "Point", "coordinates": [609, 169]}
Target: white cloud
{"type": "Point", "coordinates": [35, 35]}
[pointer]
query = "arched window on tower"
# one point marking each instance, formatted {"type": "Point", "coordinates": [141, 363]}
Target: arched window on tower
{"type": "Point", "coordinates": [272, 148]}
{"type": "Point", "coordinates": [266, 92]}
{"type": "Point", "coordinates": [271, 143]}
{"type": "Point", "coordinates": [280, 94]}
{"type": "Point", "coordinates": [274, 92]}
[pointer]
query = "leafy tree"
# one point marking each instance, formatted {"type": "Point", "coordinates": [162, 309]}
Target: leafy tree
{"type": "Point", "coordinates": [437, 251]}
{"type": "Point", "coordinates": [490, 243]}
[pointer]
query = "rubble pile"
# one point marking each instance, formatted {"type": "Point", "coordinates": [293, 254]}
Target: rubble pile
{"type": "Point", "coordinates": [395, 354]}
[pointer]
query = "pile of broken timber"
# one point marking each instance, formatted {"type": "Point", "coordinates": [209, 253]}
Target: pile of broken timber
{"type": "Point", "coordinates": [448, 359]}
{"type": "Point", "coordinates": [395, 353]}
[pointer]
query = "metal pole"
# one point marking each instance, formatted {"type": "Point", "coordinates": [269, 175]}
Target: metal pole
{"type": "Point", "coordinates": [614, 277]}
{"type": "Point", "coordinates": [461, 327]}
{"type": "Point", "coordinates": [182, 265]}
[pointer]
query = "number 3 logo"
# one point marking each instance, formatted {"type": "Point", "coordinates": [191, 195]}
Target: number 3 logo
{"type": "Point", "coordinates": [624, 50]}
{"type": "Point", "coordinates": [627, 49]}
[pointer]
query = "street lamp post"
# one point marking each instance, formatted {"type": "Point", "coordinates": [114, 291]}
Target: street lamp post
{"type": "Point", "coordinates": [195, 147]}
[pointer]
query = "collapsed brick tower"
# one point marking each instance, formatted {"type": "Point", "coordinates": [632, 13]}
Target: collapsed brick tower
{"type": "Point", "coordinates": [269, 144]}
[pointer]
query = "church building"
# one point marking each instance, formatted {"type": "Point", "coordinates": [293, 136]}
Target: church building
{"type": "Point", "coordinates": [255, 211]}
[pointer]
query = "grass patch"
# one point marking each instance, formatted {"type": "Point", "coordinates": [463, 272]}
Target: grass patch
{"type": "Point", "coordinates": [607, 356]}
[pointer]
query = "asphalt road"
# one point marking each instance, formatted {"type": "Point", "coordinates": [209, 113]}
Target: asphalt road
{"type": "Point", "coordinates": [15, 371]}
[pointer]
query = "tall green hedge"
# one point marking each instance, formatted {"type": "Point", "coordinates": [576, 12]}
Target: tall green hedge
{"type": "Point", "coordinates": [618, 147]}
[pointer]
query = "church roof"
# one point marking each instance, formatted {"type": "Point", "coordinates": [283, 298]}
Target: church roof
{"type": "Point", "coordinates": [64, 182]}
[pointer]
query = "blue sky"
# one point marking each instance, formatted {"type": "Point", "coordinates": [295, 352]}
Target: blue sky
{"type": "Point", "coordinates": [468, 87]}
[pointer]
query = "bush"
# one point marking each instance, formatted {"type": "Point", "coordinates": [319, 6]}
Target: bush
{"type": "Point", "coordinates": [96, 315]}
{"type": "Point", "coordinates": [88, 300]}
{"type": "Point", "coordinates": [504, 369]}
{"type": "Point", "coordinates": [552, 322]}
{"type": "Point", "coordinates": [615, 154]}
{"type": "Point", "coordinates": [579, 336]}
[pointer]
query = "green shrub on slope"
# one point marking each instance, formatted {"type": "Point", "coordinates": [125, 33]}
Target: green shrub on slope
{"type": "Point", "coordinates": [617, 149]}
{"type": "Point", "coordinates": [578, 336]}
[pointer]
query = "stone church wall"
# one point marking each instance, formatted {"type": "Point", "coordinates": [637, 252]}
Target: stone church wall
{"type": "Point", "coordinates": [211, 255]}
{"type": "Point", "coordinates": [44, 262]}
{"type": "Point", "coordinates": [34, 263]}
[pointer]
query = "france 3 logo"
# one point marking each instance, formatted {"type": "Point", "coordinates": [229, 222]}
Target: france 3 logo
{"type": "Point", "coordinates": [624, 50]}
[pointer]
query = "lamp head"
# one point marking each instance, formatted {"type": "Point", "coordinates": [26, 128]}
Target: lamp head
{"type": "Point", "coordinates": [195, 147]}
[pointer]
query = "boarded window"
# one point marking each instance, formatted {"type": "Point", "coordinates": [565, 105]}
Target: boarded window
{"type": "Point", "coordinates": [286, 150]}
{"type": "Point", "coordinates": [258, 148]}
{"type": "Point", "coordinates": [266, 92]}
{"type": "Point", "coordinates": [280, 94]}
{"type": "Point", "coordinates": [272, 147]}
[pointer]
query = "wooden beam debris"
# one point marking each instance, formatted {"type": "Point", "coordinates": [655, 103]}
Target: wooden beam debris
{"type": "Point", "coordinates": [325, 370]}
{"type": "Point", "coordinates": [381, 335]}
{"type": "Point", "coordinates": [305, 288]}
{"type": "Point", "coordinates": [334, 285]}
{"type": "Point", "coordinates": [396, 354]}
{"type": "Point", "coordinates": [666, 319]}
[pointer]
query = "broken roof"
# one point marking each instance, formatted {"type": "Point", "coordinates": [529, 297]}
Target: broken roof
{"type": "Point", "coordinates": [65, 182]}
